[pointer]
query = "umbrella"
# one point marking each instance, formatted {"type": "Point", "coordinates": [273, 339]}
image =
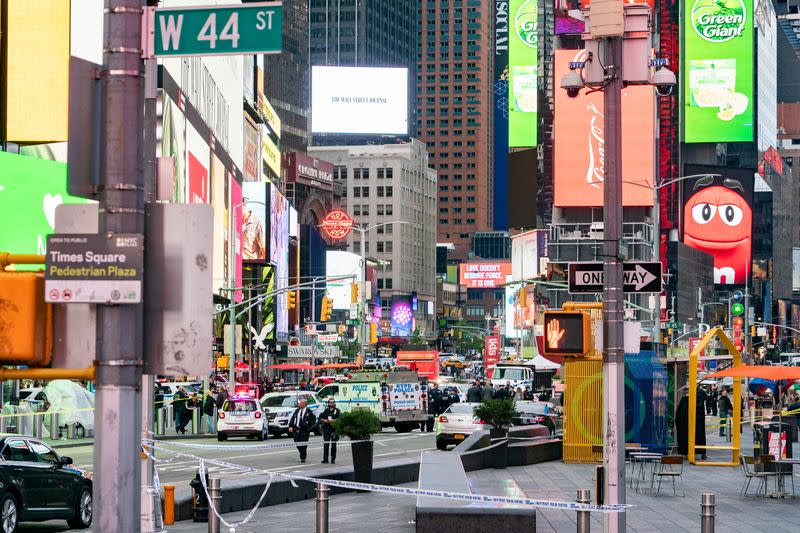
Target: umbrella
{"type": "Point", "coordinates": [292, 366]}
{"type": "Point", "coordinates": [338, 365]}
{"type": "Point", "coordinates": [761, 386]}
{"type": "Point", "coordinates": [772, 373]}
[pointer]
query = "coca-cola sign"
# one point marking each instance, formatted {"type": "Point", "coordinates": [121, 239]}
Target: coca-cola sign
{"type": "Point", "coordinates": [580, 144]}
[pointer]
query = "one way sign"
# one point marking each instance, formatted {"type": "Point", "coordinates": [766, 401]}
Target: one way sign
{"type": "Point", "coordinates": [640, 277]}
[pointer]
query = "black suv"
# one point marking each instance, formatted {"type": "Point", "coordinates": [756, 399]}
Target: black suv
{"type": "Point", "coordinates": [37, 484]}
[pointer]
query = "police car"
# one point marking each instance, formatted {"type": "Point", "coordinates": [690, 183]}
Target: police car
{"type": "Point", "coordinates": [281, 406]}
{"type": "Point", "coordinates": [242, 416]}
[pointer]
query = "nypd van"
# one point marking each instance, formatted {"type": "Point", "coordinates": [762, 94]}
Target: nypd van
{"type": "Point", "coordinates": [399, 398]}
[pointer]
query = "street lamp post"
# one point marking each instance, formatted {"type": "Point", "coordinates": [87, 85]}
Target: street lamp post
{"type": "Point", "coordinates": [362, 297]}
{"type": "Point", "coordinates": [232, 285]}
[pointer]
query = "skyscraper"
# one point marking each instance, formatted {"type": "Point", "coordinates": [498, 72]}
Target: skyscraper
{"type": "Point", "coordinates": [357, 33]}
{"type": "Point", "coordinates": [454, 112]}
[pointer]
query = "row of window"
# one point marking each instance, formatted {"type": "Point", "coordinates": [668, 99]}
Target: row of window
{"type": "Point", "coordinates": [445, 123]}
{"type": "Point", "coordinates": [457, 177]}
{"type": "Point", "coordinates": [382, 191]}
{"type": "Point", "coordinates": [340, 173]}
{"type": "Point", "coordinates": [363, 210]}
{"type": "Point", "coordinates": [480, 294]}
{"type": "Point", "coordinates": [385, 284]}
{"type": "Point", "coordinates": [456, 210]}
{"type": "Point", "coordinates": [455, 221]}
{"type": "Point", "coordinates": [445, 188]}
{"type": "Point", "coordinates": [445, 56]}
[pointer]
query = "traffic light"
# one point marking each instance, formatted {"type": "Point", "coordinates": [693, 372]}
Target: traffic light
{"type": "Point", "coordinates": [327, 308]}
{"type": "Point", "coordinates": [26, 320]}
{"type": "Point", "coordinates": [342, 329]}
{"type": "Point", "coordinates": [354, 293]}
{"type": "Point", "coordinates": [373, 333]}
{"type": "Point", "coordinates": [523, 297]}
{"type": "Point", "coordinates": [566, 333]}
{"type": "Point", "coordinates": [292, 299]}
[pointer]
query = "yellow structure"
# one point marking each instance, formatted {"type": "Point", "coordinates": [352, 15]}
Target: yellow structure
{"type": "Point", "coordinates": [583, 396]}
{"type": "Point", "coordinates": [694, 357]}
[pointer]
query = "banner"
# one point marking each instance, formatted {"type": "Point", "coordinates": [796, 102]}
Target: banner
{"type": "Point", "coordinates": [717, 71]}
{"type": "Point", "coordinates": [484, 275]}
{"type": "Point", "coordinates": [501, 179]}
{"type": "Point", "coordinates": [523, 54]}
{"type": "Point", "coordinates": [491, 354]}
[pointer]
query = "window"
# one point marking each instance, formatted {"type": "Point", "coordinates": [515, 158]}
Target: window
{"type": "Point", "coordinates": [380, 247]}
{"type": "Point", "coordinates": [388, 283]}
{"type": "Point", "coordinates": [389, 173]}
{"type": "Point", "coordinates": [17, 450]}
{"type": "Point", "coordinates": [473, 310]}
{"type": "Point", "coordinates": [499, 295]}
{"type": "Point", "coordinates": [380, 173]}
{"type": "Point", "coordinates": [389, 191]}
{"type": "Point", "coordinates": [357, 210]}
{"type": "Point", "coordinates": [365, 209]}
{"type": "Point", "coordinates": [388, 209]}
{"type": "Point", "coordinates": [380, 283]}
{"type": "Point", "coordinates": [380, 212]}
{"type": "Point", "coordinates": [389, 247]}
{"type": "Point", "coordinates": [357, 192]}
{"type": "Point", "coordinates": [340, 172]}
{"type": "Point", "coordinates": [380, 191]}
{"type": "Point", "coordinates": [361, 173]}
{"type": "Point", "coordinates": [365, 192]}
{"type": "Point", "coordinates": [474, 294]}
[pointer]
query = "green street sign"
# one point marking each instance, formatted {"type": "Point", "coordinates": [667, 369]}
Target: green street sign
{"type": "Point", "coordinates": [216, 30]}
{"type": "Point", "coordinates": [737, 309]}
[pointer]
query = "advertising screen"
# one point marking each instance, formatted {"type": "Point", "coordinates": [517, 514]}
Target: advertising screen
{"type": "Point", "coordinates": [359, 100]}
{"type": "Point", "coordinates": [30, 191]}
{"type": "Point", "coordinates": [236, 199]}
{"type": "Point", "coordinates": [219, 201]}
{"type": "Point", "coordinates": [501, 26]}
{"type": "Point", "coordinates": [341, 264]}
{"type": "Point", "coordinates": [279, 252]}
{"type": "Point", "coordinates": [523, 53]}
{"type": "Point", "coordinates": [254, 222]}
{"type": "Point", "coordinates": [484, 275]}
{"type": "Point", "coordinates": [717, 71]}
{"type": "Point", "coordinates": [526, 251]}
{"type": "Point", "coordinates": [402, 323]}
{"type": "Point", "coordinates": [718, 219]}
{"type": "Point", "coordinates": [491, 354]}
{"type": "Point", "coordinates": [579, 144]}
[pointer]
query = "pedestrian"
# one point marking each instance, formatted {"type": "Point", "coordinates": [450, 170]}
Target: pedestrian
{"type": "Point", "coordinates": [518, 394]}
{"type": "Point", "coordinates": [222, 395]}
{"type": "Point", "coordinates": [713, 397]}
{"type": "Point", "coordinates": [434, 407]}
{"type": "Point", "coordinates": [487, 392]}
{"type": "Point", "coordinates": [180, 410]}
{"type": "Point", "coordinates": [502, 393]}
{"type": "Point", "coordinates": [527, 394]}
{"type": "Point", "coordinates": [474, 392]}
{"type": "Point", "coordinates": [158, 400]}
{"type": "Point", "coordinates": [326, 419]}
{"type": "Point", "coordinates": [725, 407]}
{"type": "Point", "coordinates": [209, 404]}
{"type": "Point", "coordinates": [300, 425]}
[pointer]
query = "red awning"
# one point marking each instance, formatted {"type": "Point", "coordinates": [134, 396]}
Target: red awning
{"type": "Point", "coordinates": [337, 365]}
{"type": "Point", "coordinates": [292, 366]}
{"type": "Point", "coordinates": [772, 373]}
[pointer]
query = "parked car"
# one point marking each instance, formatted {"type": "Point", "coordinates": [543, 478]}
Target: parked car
{"type": "Point", "coordinates": [242, 416]}
{"type": "Point", "coordinates": [281, 405]}
{"type": "Point", "coordinates": [456, 424]}
{"type": "Point", "coordinates": [543, 413]}
{"type": "Point", "coordinates": [34, 395]}
{"type": "Point", "coordinates": [38, 485]}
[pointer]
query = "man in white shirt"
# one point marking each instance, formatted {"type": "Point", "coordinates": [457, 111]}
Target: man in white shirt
{"type": "Point", "coordinates": [300, 425]}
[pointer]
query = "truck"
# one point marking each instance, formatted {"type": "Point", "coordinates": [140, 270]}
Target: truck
{"type": "Point", "coordinates": [399, 398]}
{"type": "Point", "coordinates": [523, 375]}
{"type": "Point", "coordinates": [426, 363]}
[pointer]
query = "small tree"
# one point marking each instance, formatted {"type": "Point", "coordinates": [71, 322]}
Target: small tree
{"type": "Point", "coordinates": [357, 424]}
{"type": "Point", "coordinates": [497, 413]}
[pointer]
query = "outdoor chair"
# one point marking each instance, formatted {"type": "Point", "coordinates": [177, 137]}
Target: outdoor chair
{"type": "Point", "coordinates": [748, 463]}
{"type": "Point", "coordinates": [671, 467]}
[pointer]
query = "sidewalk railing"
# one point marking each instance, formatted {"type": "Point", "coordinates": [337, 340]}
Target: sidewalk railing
{"type": "Point", "coordinates": [51, 424]}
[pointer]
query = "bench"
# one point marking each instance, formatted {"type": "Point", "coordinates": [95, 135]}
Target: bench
{"type": "Point", "coordinates": [443, 471]}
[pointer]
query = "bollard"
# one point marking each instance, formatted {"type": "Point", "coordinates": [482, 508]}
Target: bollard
{"type": "Point", "coordinates": [38, 426]}
{"type": "Point", "coordinates": [169, 505]}
{"type": "Point", "coordinates": [170, 415]}
{"type": "Point", "coordinates": [215, 495]}
{"type": "Point", "coordinates": [707, 512]}
{"type": "Point", "coordinates": [322, 507]}
{"type": "Point", "coordinates": [160, 421]}
{"type": "Point", "coordinates": [55, 430]}
{"type": "Point", "coordinates": [584, 517]}
{"type": "Point", "coordinates": [71, 430]}
{"type": "Point", "coordinates": [195, 421]}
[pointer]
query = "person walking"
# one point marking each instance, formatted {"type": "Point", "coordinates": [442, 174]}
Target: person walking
{"type": "Point", "coordinates": [180, 410]}
{"type": "Point", "coordinates": [300, 425]}
{"type": "Point", "coordinates": [209, 404]}
{"type": "Point", "coordinates": [434, 407]}
{"type": "Point", "coordinates": [474, 393]}
{"type": "Point", "coordinates": [725, 407]}
{"type": "Point", "coordinates": [326, 419]}
{"type": "Point", "coordinates": [502, 393]}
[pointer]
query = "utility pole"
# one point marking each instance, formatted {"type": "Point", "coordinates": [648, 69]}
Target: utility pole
{"type": "Point", "coordinates": [120, 327]}
{"type": "Point", "coordinates": [613, 312]}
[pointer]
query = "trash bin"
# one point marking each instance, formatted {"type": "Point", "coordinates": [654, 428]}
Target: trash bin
{"type": "Point", "coordinates": [199, 499]}
{"type": "Point", "coordinates": [767, 438]}
{"type": "Point", "coordinates": [792, 421]}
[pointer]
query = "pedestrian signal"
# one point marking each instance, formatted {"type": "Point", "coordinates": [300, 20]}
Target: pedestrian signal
{"type": "Point", "coordinates": [566, 333]}
{"type": "Point", "coordinates": [354, 293]}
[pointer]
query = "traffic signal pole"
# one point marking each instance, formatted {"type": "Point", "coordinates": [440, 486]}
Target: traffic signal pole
{"type": "Point", "coordinates": [119, 361]}
{"type": "Point", "coordinates": [613, 296]}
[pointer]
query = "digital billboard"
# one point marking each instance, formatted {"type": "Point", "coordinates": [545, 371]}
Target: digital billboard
{"type": "Point", "coordinates": [279, 252]}
{"type": "Point", "coordinates": [526, 251]}
{"type": "Point", "coordinates": [501, 27]}
{"type": "Point", "coordinates": [402, 316]}
{"type": "Point", "coordinates": [236, 199]}
{"type": "Point", "coordinates": [717, 71]}
{"type": "Point", "coordinates": [219, 201]}
{"type": "Point", "coordinates": [30, 191]}
{"type": "Point", "coordinates": [339, 264]}
{"type": "Point", "coordinates": [254, 221]}
{"type": "Point", "coordinates": [523, 54]}
{"type": "Point", "coordinates": [718, 219]}
{"type": "Point", "coordinates": [484, 275]}
{"type": "Point", "coordinates": [579, 143]}
{"type": "Point", "coordinates": [359, 100]}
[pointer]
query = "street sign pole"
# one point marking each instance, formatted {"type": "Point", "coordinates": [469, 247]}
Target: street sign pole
{"type": "Point", "coordinates": [120, 327]}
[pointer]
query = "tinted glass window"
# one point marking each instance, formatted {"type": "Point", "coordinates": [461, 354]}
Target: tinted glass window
{"type": "Point", "coordinates": [279, 401]}
{"type": "Point", "coordinates": [240, 406]}
{"type": "Point", "coordinates": [17, 450]}
{"type": "Point", "coordinates": [43, 453]}
{"type": "Point", "coordinates": [462, 408]}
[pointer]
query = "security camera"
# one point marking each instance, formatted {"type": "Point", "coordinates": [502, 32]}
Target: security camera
{"type": "Point", "coordinates": [572, 83]}
{"type": "Point", "coordinates": [664, 81]}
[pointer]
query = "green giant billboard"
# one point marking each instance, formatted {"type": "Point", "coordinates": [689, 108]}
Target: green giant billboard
{"type": "Point", "coordinates": [523, 54]}
{"type": "Point", "coordinates": [717, 71]}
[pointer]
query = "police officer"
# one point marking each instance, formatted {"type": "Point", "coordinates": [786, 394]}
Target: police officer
{"type": "Point", "coordinates": [300, 425]}
{"type": "Point", "coordinates": [326, 419]}
{"type": "Point", "coordinates": [434, 407]}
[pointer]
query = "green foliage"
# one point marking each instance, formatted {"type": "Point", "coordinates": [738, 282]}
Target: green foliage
{"type": "Point", "coordinates": [348, 348]}
{"type": "Point", "coordinates": [497, 413]}
{"type": "Point", "coordinates": [357, 424]}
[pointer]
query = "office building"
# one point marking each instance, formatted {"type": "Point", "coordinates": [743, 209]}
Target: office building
{"type": "Point", "coordinates": [454, 109]}
{"type": "Point", "coordinates": [391, 183]}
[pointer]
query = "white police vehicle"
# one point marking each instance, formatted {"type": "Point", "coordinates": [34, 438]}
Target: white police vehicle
{"type": "Point", "coordinates": [281, 405]}
{"type": "Point", "coordinates": [242, 416]}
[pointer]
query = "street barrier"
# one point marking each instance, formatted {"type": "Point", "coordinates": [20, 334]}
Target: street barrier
{"type": "Point", "coordinates": [196, 421]}
{"type": "Point", "coordinates": [160, 421]}
{"type": "Point", "coordinates": [707, 512]}
{"type": "Point", "coordinates": [169, 505]}
{"type": "Point", "coordinates": [214, 502]}
{"type": "Point", "coordinates": [584, 517]}
{"type": "Point", "coordinates": [322, 498]}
